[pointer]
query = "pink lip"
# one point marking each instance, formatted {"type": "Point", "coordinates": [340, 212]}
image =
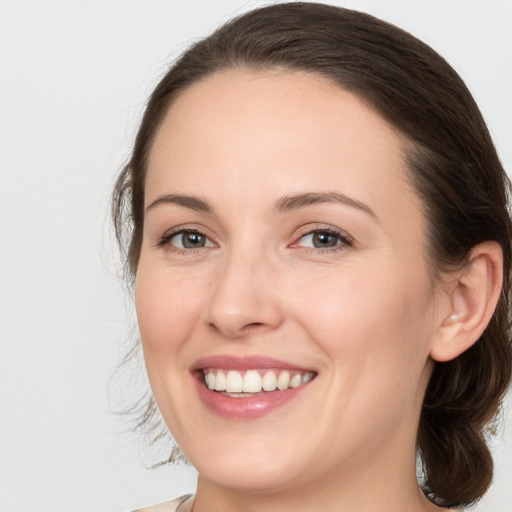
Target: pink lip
{"type": "Point", "coordinates": [243, 363]}
{"type": "Point", "coordinates": [246, 407]}
{"type": "Point", "coordinates": [250, 407]}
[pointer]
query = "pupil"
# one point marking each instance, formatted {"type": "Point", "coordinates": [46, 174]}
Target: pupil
{"type": "Point", "coordinates": [324, 240]}
{"type": "Point", "coordinates": [193, 240]}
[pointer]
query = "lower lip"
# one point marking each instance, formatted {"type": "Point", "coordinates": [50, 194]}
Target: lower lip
{"type": "Point", "coordinates": [248, 407]}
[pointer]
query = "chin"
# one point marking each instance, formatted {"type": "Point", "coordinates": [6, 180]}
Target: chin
{"type": "Point", "coordinates": [249, 476]}
{"type": "Point", "coordinates": [247, 463]}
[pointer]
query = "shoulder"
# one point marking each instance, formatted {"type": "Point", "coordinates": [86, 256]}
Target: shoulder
{"type": "Point", "coordinates": [168, 506]}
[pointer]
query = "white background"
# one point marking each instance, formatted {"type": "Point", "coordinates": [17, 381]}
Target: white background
{"type": "Point", "coordinates": [74, 76]}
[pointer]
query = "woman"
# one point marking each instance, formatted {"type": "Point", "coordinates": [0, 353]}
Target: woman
{"type": "Point", "coordinates": [320, 243]}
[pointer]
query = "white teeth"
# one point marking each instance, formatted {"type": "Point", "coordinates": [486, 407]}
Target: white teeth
{"type": "Point", "coordinates": [234, 382]}
{"type": "Point", "coordinates": [210, 380]}
{"type": "Point", "coordinates": [269, 381]}
{"type": "Point", "coordinates": [283, 381]}
{"type": "Point", "coordinates": [296, 381]}
{"type": "Point", "coordinates": [307, 377]}
{"type": "Point", "coordinates": [220, 381]}
{"type": "Point", "coordinates": [254, 381]}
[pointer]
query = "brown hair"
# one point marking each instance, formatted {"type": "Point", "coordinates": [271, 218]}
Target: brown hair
{"type": "Point", "coordinates": [453, 166]}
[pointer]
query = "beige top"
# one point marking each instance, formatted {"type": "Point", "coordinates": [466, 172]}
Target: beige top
{"type": "Point", "coordinates": [183, 504]}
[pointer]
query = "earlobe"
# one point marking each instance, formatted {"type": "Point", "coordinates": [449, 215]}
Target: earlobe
{"type": "Point", "coordinates": [473, 296]}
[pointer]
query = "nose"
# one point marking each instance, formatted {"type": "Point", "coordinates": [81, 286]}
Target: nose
{"type": "Point", "coordinates": [243, 297]}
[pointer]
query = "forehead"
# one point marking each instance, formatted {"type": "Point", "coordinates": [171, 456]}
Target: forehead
{"type": "Point", "coordinates": [262, 134]}
{"type": "Point", "coordinates": [275, 109]}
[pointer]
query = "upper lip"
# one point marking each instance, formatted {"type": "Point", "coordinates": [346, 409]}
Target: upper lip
{"type": "Point", "coordinates": [230, 362]}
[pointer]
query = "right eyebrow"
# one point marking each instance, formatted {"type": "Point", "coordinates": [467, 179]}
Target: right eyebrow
{"type": "Point", "coordinates": [288, 203]}
{"type": "Point", "coordinates": [192, 202]}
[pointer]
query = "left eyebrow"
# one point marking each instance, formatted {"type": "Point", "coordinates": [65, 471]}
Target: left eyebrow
{"type": "Point", "coordinates": [191, 202]}
{"type": "Point", "coordinates": [287, 203]}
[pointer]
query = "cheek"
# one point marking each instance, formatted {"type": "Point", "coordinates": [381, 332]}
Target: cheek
{"type": "Point", "coordinates": [375, 320]}
{"type": "Point", "coordinates": [167, 309]}
{"type": "Point", "coordinates": [375, 332]}
{"type": "Point", "coordinates": [167, 312]}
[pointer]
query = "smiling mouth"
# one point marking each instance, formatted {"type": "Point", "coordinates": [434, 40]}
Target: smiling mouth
{"type": "Point", "coordinates": [246, 383]}
{"type": "Point", "coordinates": [250, 387]}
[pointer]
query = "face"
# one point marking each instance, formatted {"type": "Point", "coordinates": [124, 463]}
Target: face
{"type": "Point", "coordinates": [283, 265]}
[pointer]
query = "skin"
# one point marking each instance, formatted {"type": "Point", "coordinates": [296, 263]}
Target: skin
{"type": "Point", "coordinates": [364, 314]}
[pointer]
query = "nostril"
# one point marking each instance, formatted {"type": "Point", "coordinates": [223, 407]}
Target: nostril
{"type": "Point", "coordinates": [234, 315]}
{"type": "Point", "coordinates": [239, 330]}
{"type": "Point", "coordinates": [213, 327]}
{"type": "Point", "coordinates": [254, 325]}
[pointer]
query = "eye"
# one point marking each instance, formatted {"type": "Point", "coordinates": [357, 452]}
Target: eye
{"type": "Point", "coordinates": [323, 239]}
{"type": "Point", "coordinates": [187, 239]}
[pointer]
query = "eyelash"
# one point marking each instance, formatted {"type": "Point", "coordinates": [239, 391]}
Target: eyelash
{"type": "Point", "coordinates": [165, 241]}
{"type": "Point", "coordinates": [343, 240]}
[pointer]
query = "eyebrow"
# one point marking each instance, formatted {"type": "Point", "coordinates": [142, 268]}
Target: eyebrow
{"type": "Point", "coordinates": [194, 203]}
{"type": "Point", "coordinates": [287, 203]}
{"type": "Point", "coordinates": [283, 204]}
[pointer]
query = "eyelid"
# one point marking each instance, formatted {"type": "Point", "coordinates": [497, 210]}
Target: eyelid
{"type": "Point", "coordinates": [166, 238]}
{"type": "Point", "coordinates": [345, 239]}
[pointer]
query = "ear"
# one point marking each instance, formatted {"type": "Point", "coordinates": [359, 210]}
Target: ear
{"type": "Point", "coordinates": [472, 296]}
